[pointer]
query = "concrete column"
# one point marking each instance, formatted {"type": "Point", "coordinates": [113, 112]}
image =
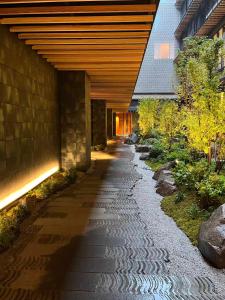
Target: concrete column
{"type": "Point", "coordinates": [74, 91]}
{"type": "Point", "coordinates": [98, 117]}
{"type": "Point", "coordinates": [109, 123]}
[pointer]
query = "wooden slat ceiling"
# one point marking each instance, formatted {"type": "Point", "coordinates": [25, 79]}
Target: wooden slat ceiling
{"type": "Point", "coordinates": [106, 38]}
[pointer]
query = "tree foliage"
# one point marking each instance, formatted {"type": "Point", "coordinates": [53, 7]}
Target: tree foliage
{"type": "Point", "coordinates": [148, 114]}
{"type": "Point", "coordinates": [200, 111]}
{"type": "Point", "coordinates": [201, 101]}
{"type": "Point", "coordinates": [197, 68]}
{"type": "Point", "coordinates": [169, 121]}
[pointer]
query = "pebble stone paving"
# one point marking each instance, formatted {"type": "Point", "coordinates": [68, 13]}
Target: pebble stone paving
{"type": "Point", "coordinates": [90, 242]}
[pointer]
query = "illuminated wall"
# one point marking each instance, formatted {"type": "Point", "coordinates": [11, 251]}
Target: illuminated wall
{"type": "Point", "coordinates": [29, 138]}
{"type": "Point", "coordinates": [123, 124]}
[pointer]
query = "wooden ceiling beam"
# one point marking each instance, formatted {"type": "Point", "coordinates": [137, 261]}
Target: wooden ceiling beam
{"type": "Point", "coordinates": [89, 47]}
{"type": "Point", "coordinates": [86, 41]}
{"type": "Point", "coordinates": [75, 9]}
{"type": "Point", "coordinates": [118, 78]}
{"type": "Point", "coordinates": [98, 66]}
{"type": "Point", "coordinates": [78, 19]}
{"type": "Point", "coordinates": [109, 84]}
{"type": "Point", "coordinates": [92, 59]}
{"type": "Point", "coordinates": [82, 28]}
{"type": "Point", "coordinates": [92, 52]}
{"type": "Point", "coordinates": [79, 35]}
{"type": "Point", "coordinates": [53, 1]}
{"type": "Point", "coordinates": [97, 75]}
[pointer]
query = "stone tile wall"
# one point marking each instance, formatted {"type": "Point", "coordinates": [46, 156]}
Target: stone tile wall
{"type": "Point", "coordinates": [75, 119]}
{"type": "Point", "coordinates": [109, 123]}
{"type": "Point", "coordinates": [29, 129]}
{"type": "Point", "coordinates": [99, 122]}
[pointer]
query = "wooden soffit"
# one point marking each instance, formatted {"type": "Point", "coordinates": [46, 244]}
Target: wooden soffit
{"type": "Point", "coordinates": [105, 38]}
{"type": "Point", "coordinates": [189, 14]}
{"type": "Point", "coordinates": [215, 16]}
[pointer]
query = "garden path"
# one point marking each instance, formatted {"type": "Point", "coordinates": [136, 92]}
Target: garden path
{"type": "Point", "coordinates": [106, 238]}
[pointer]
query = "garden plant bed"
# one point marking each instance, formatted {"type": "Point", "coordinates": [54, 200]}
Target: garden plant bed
{"type": "Point", "coordinates": [12, 218]}
{"type": "Point", "coordinates": [186, 215]}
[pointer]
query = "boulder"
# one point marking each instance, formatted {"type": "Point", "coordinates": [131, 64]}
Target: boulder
{"type": "Point", "coordinates": [132, 139]}
{"type": "Point", "coordinates": [144, 156]}
{"type": "Point", "coordinates": [211, 242]}
{"type": "Point", "coordinates": [166, 184]}
{"type": "Point", "coordinates": [168, 166]}
{"type": "Point", "coordinates": [165, 188]}
{"type": "Point", "coordinates": [142, 148]}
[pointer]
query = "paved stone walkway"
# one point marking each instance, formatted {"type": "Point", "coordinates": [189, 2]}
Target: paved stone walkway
{"type": "Point", "coordinates": [91, 243]}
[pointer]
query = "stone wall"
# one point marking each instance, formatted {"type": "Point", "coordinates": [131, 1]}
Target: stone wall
{"type": "Point", "coordinates": [99, 122]}
{"type": "Point", "coordinates": [109, 123]}
{"type": "Point", "coordinates": [29, 139]}
{"type": "Point", "coordinates": [75, 119]}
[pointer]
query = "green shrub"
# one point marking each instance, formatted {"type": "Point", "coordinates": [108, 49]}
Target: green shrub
{"type": "Point", "coordinates": [154, 134]}
{"type": "Point", "coordinates": [180, 155]}
{"type": "Point", "coordinates": [200, 170]}
{"type": "Point", "coordinates": [196, 155]}
{"type": "Point", "coordinates": [193, 211]}
{"type": "Point", "coordinates": [210, 190]}
{"type": "Point", "coordinates": [180, 196]}
{"type": "Point", "coordinates": [71, 175]}
{"type": "Point", "coordinates": [9, 224]}
{"type": "Point", "coordinates": [42, 191]}
{"type": "Point", "coordinates": [148, 141]}
{"type": "Point", "coordinates": [183, 176]}
{"type": "Point", "coordinates": [53, 184]}
{"type": "Point", "coordinates": [157, 151]}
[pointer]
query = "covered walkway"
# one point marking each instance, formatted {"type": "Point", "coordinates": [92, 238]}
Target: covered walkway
{"type": "Point", "coordinates": [92, 242]}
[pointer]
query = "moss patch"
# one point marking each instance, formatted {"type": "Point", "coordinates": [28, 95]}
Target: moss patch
{"type": "Point", "coordinates": [185, 214]}
{"type": "Point", "coordinates": [154, 165]}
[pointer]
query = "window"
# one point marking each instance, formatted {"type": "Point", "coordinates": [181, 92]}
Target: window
{"type": "Point", "coordinates": [163, 51]}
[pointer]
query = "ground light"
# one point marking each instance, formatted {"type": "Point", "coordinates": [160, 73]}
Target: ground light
{"type": "Point", "coordinates": [26, 188]}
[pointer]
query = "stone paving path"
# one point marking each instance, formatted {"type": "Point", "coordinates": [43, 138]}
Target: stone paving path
{"type": "Point", "coordinates": [91, 243]}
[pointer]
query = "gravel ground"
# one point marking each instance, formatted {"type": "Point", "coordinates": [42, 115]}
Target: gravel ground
{"type": "Point", "coordinates": [185, 259]}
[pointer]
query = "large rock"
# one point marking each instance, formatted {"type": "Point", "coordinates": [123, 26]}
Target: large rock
{"type": "Point", "coordinates": [144, 156]}
{"type": "Point", "coordinates": [142, 148]}
{"type": "Point", "coordinates": [166, 184]}
{"type": "Point", "coordinates": [168, 166]}
{"type": "Point", "coordinates": [132, 139]}
{"type": "Point", "coordinates": [211, 241]}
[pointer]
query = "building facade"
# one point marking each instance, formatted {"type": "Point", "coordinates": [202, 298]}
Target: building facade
{"type": "Point", "coordinates": [201, 18]}
{"type": "Point", "coordinates": [157, 75]}
{"type": "Point", "coordinates": [175, 20]}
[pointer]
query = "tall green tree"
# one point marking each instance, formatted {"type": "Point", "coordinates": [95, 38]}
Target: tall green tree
{"type": "Point", "coordinates": [170, 120]}
{"type": "Point", "coordinates": [201, 101]}
{"type": "Point", "coordinates": [197, 67]}
{"type": "Point", "coordinates": [148, 115]}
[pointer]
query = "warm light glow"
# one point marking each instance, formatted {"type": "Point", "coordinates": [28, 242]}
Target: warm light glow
{"type": "Point", "coordinates": [29, 186]}
{"type": "Point", "coordinates": [163, 51]}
